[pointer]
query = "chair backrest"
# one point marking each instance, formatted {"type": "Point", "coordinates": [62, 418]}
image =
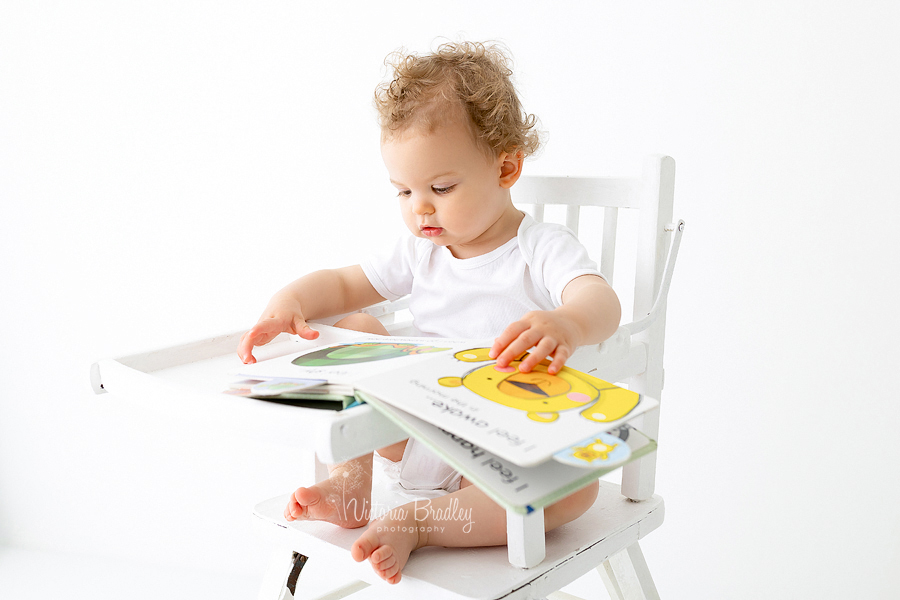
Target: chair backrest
{"type": "Point", "coordinates": [651, 195]}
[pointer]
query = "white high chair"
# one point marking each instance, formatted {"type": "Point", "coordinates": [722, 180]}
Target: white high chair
{"type": "Point", "coordinates": [606, 536]}
{"type": "Point", "coordinates": [186, 381]}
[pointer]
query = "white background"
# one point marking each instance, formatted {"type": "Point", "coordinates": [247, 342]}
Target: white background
{"type": "Point", "coordinates": [166, 166]}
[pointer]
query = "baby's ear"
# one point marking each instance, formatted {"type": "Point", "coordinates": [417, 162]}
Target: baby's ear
{"type": "Point", "coordinates": [510, 167]}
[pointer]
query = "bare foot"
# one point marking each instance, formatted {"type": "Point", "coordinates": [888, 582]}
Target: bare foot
{"type": "Point", "coordinates": [342, 499]}
{"type": "Point", "coordinates": [388, 542]}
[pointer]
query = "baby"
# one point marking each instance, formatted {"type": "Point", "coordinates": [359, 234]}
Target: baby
{"type": "Point", "coordinates": [454, 139]}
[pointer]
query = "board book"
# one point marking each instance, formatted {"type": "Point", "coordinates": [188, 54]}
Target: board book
{"type": "Point", "coordinates": [517, 488]}
{"type": "Point", "coordinates": [523, 419]}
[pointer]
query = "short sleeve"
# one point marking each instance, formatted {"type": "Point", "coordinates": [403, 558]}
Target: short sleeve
{"type": "Point", "coordinates": [557, 257]}
{"type": "Point", "coordinates": [391, 271]}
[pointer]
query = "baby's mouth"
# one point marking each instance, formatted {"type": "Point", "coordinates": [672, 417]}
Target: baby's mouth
{"type": "Point", "coordinates": [431, 231]}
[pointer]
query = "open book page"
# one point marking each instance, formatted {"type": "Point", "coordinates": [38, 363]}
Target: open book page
{"type": "Point", "coordinates": [520, 489]}
{"type": "Point", "coordinates": [524, 418]}
{"type": "Point", "coordinates": [344, 357]}
{"type": "Point", "coordinates": [521, 417]}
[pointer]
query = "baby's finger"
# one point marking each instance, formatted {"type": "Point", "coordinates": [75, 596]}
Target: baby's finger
{"type": "Point", "coordinates": [245, 348]}
{"type": "Point", "coordinates": [260, 334]}
{"type": "Point", "coordinates": [544, 348]}
{"type": "Point", "coordinates": [302, 328]}
{"type": "Point", "coordinates": [519, 346]}
{"type": "Point", "coordinates": [512, 331]}
{"type": "Point", "coordinates": [245, 351]}
{"type": "Point", "coordinates": [560, 356]}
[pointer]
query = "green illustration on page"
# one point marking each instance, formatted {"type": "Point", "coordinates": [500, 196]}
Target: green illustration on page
{"type": "Point", "coordinates": [348, 354]}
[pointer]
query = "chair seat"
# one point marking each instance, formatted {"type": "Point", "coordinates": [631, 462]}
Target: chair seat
{"type": "Point", "coordinates": [610, 525]}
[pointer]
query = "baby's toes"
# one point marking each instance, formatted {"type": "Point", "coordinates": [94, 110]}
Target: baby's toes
{"type": "Point", "coordinates": [293, 510]}
{"type": "Point", "coordinates": [385, 563]}
{"type": "Point", "coordinates": [363, 547]}
{"type": "Point", "coordinates": [382, 554]}
{"type": "Point", "coordinates": [383, 558]}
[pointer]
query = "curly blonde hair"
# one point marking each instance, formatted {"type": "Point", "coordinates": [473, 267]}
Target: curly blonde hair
{"type": "Point", "coordinates": [459, 79]}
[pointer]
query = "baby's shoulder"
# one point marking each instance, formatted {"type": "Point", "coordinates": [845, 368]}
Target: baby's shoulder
{"type": "Point", "coordinates": [537, 241]}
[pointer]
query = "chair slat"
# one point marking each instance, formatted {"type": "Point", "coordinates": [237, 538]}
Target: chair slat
{"type": "Point", "coordinates": [622, 192]}
{"type": "Point", "coordinates": [572, 211]}
{"type": "Point", "coordinates": [539, 213]}
{"type": "Point", "coordinates": [608, 246]}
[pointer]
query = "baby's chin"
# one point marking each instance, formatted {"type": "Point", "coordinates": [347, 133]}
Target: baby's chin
{"type": "Point", "coordinates": [437, 240]}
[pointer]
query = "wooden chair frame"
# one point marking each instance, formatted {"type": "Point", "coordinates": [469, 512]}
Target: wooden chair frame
{"type": "Point", "coordinates": [633, 356]}
{"type": "Point", "coordinates": [186, 381]}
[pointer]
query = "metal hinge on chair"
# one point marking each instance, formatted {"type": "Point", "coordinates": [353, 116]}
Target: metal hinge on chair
{"type": "Point", "coordinates": [298, 561]}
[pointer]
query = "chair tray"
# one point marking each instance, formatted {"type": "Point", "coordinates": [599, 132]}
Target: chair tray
{"type": "Point", "coordinates": [187, 382]}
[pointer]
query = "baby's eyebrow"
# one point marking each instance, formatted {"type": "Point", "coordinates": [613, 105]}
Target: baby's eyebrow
{"type": "Point", "coordinates": [447, 174]}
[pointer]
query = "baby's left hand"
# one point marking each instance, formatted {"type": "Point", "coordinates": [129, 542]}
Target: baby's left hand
{"type": "Point", "coordinates": [549, 331]}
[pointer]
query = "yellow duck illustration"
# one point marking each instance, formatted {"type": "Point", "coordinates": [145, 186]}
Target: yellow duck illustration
{"type": "Point", "coordinates": [542, 395]}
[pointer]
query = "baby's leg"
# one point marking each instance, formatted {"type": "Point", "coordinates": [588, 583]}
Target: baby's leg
{"type": "Point", "coordinates": [344, 498]}
{"type": "Point", "coordinates": [465, 518]}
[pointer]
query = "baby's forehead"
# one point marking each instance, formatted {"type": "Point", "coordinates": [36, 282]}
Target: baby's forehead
{"type": "Point", "coordinates": [450, 125]}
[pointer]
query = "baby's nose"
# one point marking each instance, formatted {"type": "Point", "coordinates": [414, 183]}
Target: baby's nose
{"type": "Point", "coordinates": [421, 206]}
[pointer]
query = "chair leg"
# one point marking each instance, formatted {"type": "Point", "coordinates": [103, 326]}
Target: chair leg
{"type": "Point", "coordinates": [280, 580]}
{"type": "Point", "coordinates": [627, 576]}
{"type": "Point", "coordinates": [525, 538]}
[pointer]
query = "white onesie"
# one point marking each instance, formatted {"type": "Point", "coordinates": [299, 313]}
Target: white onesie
{"type": "Point", "coordinates": [474, 298]}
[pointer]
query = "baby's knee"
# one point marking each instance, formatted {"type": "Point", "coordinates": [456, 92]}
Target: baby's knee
{"type": "Point", "coordinates": [363, 323]}
{"type": "Point", "coordinates": [571, 507]}
{"type": "Point", "coordinates": [576, 504]}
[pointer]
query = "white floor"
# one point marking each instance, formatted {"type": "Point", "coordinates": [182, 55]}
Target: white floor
{"type": "Point", "coordinates": [33, 575]}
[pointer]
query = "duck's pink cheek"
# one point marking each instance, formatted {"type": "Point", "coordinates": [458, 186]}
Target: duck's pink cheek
{"type": "Point", "coordinates": [578, 397]}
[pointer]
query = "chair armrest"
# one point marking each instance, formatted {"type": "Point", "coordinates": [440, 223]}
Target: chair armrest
{"type": "Point", "coordinates": [659, 304]}
{"type": "Point", "coordinates": [616, 347]}
{"type": "Point", "coordinates": [387, 307]}
{"type": "Point", "coordinates": [383, 311]}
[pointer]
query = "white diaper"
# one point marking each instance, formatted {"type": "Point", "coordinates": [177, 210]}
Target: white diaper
{"type": "Point", "coordinates": [420, 473]}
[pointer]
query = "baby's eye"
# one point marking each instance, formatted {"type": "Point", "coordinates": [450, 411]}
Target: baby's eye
{"type": "Point", "coordinates": [443, 190]}
{"type": "Point", "coordinates": [403, 193]}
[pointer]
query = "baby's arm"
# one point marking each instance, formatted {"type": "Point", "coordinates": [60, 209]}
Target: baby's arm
{"type": "Point", "coordinates": [590, 313]}
{"type": "Point", "coordinates": [319, 294]}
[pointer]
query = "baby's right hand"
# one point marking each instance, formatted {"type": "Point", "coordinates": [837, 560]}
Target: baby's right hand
{"type": "Point", "coordinates": [268, 327]}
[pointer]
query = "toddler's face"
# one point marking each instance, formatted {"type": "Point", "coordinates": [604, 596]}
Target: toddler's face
{"type": "Point", "coordinates": [450, 193]}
